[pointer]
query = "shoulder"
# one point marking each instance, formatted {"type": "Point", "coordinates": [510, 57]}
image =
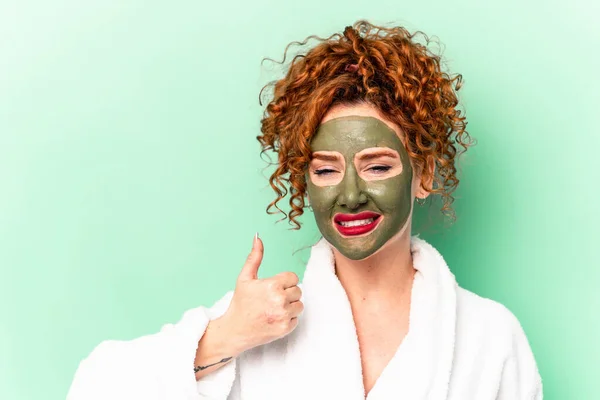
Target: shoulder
{"type": "Point", "coordinates": [487, 320]}
{"type": "Point", "coordinates": [488, 333]}
{"type": "Point", "coordinates": [484, 313]}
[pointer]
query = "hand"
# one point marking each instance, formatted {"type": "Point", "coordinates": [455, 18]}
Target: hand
{"type": "Point", "coordinates": [262, 310]}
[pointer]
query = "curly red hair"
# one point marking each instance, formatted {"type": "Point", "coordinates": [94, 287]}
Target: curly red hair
{"type": "Point", "coordinates": [381, 66]}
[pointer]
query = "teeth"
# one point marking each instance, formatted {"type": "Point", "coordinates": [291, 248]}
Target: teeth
{"type": "Point", "coordinates": [357, 222]}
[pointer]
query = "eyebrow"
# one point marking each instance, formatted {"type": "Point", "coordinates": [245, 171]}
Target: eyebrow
{"type": "Point", "coordinates": [325, 157]}
{"type": "Point", "coordinates": [378, 153]}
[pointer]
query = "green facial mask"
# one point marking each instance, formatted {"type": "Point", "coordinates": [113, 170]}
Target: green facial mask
{"type": "Point", "coordinates": [390, 197]}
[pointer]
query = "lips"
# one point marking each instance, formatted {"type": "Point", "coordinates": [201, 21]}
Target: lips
{"type": "Point", "coordinates": [347, 224]}
{"type": "Point", "coordinates": [354, 217]}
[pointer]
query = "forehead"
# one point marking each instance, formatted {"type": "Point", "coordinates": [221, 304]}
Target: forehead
{"type": "Point", "coordinates": [351, 134]}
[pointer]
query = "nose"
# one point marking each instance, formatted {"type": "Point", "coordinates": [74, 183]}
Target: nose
{"type": "Point", "coordinates": [351, 192]}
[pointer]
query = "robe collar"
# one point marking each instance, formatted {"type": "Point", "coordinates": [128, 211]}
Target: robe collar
{"type": "Point", "coordinates": [323, 353]}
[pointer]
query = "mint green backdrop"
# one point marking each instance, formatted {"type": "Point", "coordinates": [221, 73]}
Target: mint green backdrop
{"type": "Point", "coordinates": [131, 184]}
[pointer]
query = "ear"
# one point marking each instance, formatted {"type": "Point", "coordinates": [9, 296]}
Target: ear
{"type": "Point", "coordinates": [427, 181]}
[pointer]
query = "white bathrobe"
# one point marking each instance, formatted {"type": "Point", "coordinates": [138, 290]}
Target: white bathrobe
{"type": "Point", "coordinates": [459, 346]}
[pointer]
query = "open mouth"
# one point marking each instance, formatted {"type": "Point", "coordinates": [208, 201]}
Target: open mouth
{"type": "Point", "coordinates": [356, 224]}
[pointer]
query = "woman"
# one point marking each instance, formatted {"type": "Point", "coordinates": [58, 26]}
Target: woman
{"type": "Point", "coordinates": [364, 124]}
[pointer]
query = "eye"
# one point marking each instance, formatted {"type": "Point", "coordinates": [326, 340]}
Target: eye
{"type": "Point", "coordinates": [380, 168]}
{"type": "Point", "coordinates": [324, 171]}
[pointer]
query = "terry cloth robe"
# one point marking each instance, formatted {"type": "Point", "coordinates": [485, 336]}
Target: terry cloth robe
{"type": "Point", "coordinates": [459, 346]}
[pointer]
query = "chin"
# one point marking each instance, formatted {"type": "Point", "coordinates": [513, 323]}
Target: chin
{"type": "Point", "coordinates": [356, 254]}
{"type": "Point", "coordinates": [395, 241]}
{"type": "Point", "coordinates": [359, 257]}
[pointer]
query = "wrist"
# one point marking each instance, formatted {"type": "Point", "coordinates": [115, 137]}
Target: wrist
{"type": "Point", "coordinates": [222, 334]}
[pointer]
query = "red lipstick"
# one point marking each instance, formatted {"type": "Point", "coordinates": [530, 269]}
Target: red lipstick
{"type": "Point", "coordinates": [341, 223]}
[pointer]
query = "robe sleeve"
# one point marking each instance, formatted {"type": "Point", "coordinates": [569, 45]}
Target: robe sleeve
{"type": "Point", "coordinates": [155, 367]}
{"type": "Point", "coordinates": [520, 376]}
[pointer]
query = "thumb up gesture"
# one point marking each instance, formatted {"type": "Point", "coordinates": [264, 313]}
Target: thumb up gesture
{"type": "Point", "coordinates": [263, 310]}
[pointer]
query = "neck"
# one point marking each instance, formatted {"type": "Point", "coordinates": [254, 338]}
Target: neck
{"type": "Point", "coordinates": [386, 275]}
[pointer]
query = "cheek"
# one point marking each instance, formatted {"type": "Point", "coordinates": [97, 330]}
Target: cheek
{"type": "Point", "coordinates": [322, 198]}
{"type": "Point", "coordinates": [391, 194]}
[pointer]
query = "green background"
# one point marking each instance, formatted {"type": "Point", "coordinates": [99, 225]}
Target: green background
{"type": "Point", "coordinates": [131, 183]}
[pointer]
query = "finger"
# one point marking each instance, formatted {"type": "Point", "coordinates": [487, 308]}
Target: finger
{"type": "Point", "coordinates": [250, 269]}
{"type": "Point", "coordinates": [293, 323]}
{"type": "Point", "coordinates": [295, 309]}
{"type": "Point", "coordinates": [286, 279]}
{"type": "Point", "coordinates": [293, 293]}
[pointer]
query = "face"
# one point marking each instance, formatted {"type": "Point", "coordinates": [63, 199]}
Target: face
{"type": "Point", "coordinates": [359, 183]}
